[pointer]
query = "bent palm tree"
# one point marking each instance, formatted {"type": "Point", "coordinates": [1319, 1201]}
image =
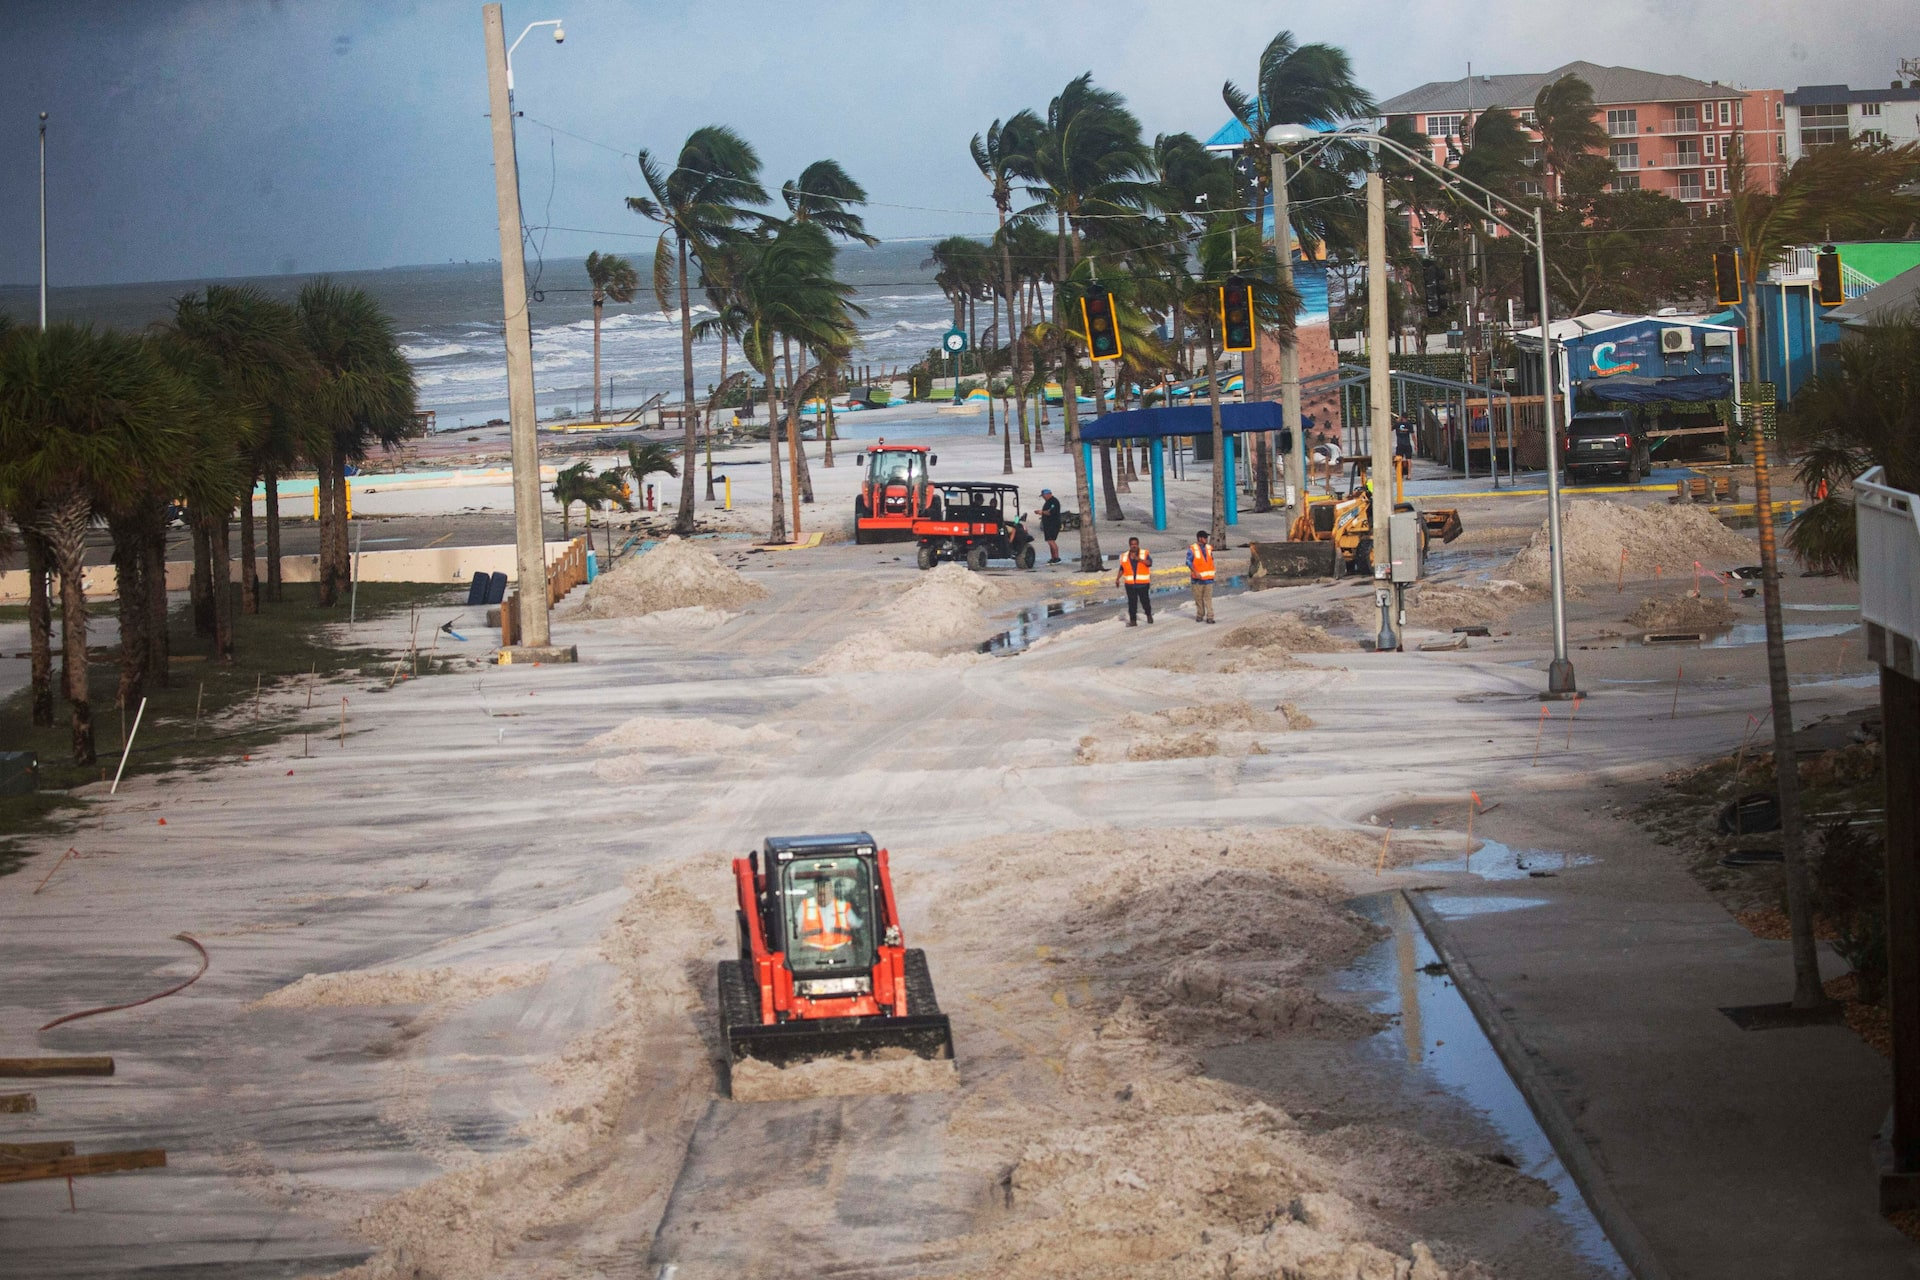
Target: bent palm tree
{"type": "Point", "coordinates": [1087, 158]}
{"type": "Point", "coordinates": [1569, 135]}
{"type": "Point", "coordinates": [702, 200]}
{"type": "Point", "coordinates": [613, 278]}
{"type": "Point", "coordinates": [994, 156]}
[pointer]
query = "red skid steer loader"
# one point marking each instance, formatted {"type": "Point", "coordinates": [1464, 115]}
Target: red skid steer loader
{"type": "Point", "coordinates": [824, 971]}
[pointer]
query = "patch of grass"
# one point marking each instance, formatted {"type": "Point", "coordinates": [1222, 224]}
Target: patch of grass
{"type": "Point", "coordinates": [203, 715]}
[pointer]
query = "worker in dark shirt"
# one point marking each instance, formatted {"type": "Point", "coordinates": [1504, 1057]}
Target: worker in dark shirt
{"type": "Point", "coordinates": [1050, 524]}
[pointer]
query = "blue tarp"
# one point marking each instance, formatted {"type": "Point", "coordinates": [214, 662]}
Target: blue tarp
{"type": "Point", "coordinates": [1629, 390]}
{"type": "Point", "coordinates": [1183, 420]}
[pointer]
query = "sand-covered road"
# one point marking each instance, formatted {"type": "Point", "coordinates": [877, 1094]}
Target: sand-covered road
{"type": "Point", "coordinates": [1121, 849]}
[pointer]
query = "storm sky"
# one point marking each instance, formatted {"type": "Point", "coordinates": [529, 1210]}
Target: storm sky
{"type": "Point", "coordinates": [238, 137]}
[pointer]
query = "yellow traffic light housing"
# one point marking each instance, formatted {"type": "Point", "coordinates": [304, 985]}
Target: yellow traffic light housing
{"type": "Point", "coordinates": [1236, 315]}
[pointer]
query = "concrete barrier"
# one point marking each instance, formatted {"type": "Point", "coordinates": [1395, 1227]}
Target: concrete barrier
{"type": "Point", "coordinates": [452, 565]}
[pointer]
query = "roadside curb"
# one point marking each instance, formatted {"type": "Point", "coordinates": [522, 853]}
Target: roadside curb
{"type": "Point", "coordinates": [1553, 1119]}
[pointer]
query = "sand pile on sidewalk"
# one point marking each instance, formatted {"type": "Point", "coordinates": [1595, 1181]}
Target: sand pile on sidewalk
{"type": "Point", "coordinates": [447, 984]}
{"type": "Point", "coordinates": [674, 575]}
{"type": "Point", "coordinates": [1286, 633]}
{"type": "Point", "coordinates": [944, 608]}
{"type": "Point", "coordinates": [607, 1145]}
{"type": "Point", "coordinates": [885, 1072]}
{"type": "Point", "coordinates": [1466, 605]}
{"type": "Point", "coordinates": [1594, 533]}
{"type": "Point", "coordinates": [1232, 728]}
{"type": "Point", "coordinates": [1682, 613]}
{"type": "Point", "coordinates": [1117, 1159]}
{"type": "Point", "coordinates": [645, 739]}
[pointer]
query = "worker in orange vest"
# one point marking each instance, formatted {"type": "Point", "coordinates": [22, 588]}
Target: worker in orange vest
{"type": "Point", "coordinates": [1200, 574]}
{"type": "Point", "coordinates": [826, 922]}
{"type": "Point", "coordinates": [1136, 575]}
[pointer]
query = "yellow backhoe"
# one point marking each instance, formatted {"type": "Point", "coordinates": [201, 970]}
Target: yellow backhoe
{"type": "Point", "coordinates": [1347, 521]}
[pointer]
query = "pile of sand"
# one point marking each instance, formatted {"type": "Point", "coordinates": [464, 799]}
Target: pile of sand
{"type": "Point", "coordinates": [1237, 714]}
{"type": "Point", "coordinates": [1466, 604]}
{"type": "Point", "coordinates": [609, 1141]}
{"type": "Point", "coordinates": [1173, 746]}
{"type": "Point", "coordinates": [941, 609]}
{"type": "Point", "coordinates": [674, 575]}
{"type": "Point", "coordinates": [884, 1072]}
{"type": "Point", "coordinates": [1323, 616]}
{"type": "Point", "coordinates": [1120, 1159]}
{"type": "Point", "coordinates": [1595, 532]}
{"type": "Point", "coordinates": [1287, 633]}
{"type": "Point", "coordinates": [1682, 613]}
{"type": "Point", "coordinates": [659, 733]}
{"type": "Point", "coordinates": [444, 985]}
{"type": "Point", "coordinates": [1232, 728]}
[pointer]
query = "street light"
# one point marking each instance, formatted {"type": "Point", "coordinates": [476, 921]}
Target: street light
{"type": "Point", "coordinates": [1560, 680]}
{"type": "Point", "coordinates": [43, 222]}
{"type": "Point", "coordinates": [1280, 137]}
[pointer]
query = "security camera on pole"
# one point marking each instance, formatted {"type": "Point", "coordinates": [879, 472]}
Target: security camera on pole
{"type": "Point", "coordinates": [534, 639]}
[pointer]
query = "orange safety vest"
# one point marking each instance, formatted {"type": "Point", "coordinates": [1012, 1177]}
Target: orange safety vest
{"type": "Point", "coordinates": [1202, 554]}
{"type": "Point", "coordinates": [1136, 571]}
{"type": "Point", "coordinates": [814, 930]}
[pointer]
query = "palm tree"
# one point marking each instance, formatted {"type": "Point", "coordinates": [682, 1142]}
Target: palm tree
{"type": "Point", "coordinates": [706, 196]}
{"type": "Point", "coordinates": [1571, 140]}
{"type": "Point", "coordinates": [87, 421]}
{"type": "Point", "coordinates": [645, 458]}
{"type": "Point", "coordinates": [1847, 189]}
{"type": "Point", "coordinates": [786, 291]}
{"type": "Point", "coordinates": [258, 372]}
{"type": "Point", "coordinates": [824, 195]}
{"type": "Point", "coordinates": [994, 156]}
{"type": "Point", "coordinates": [1861, 411]}
{"type": "Point", "coordinates": [363, 394]}
{"type": "Point", "coordinates": [612, 277]}
{"type": "Point", "coordinates": [1087, 158]}
{"type": "Point", "coordinates": [578, 483]}
{"type": "Point", "coordinates": [1306, 84]}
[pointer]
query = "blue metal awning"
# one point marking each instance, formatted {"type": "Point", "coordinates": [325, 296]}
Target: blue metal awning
{"type": "Point", "coordinates": [1183, 420]}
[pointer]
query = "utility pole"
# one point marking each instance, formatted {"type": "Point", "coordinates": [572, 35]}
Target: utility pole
{"type": "Point", "coordinates": [1379, 405]}
{"type": "Point", "coordinates": [43, 222]}
{"type": "Point", "coordinates": [1560, 682]}
{"type": "Point", "coordinates": [1289, 343]}
{"type": "Point", "coordinates": [529, 534]}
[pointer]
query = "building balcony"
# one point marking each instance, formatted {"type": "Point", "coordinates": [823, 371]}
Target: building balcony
{"type": "Point", "coordinates": [1680, 126]}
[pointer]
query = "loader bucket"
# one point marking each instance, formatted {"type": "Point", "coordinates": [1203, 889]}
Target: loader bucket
{"type": "Point", "coordinates": [1444, 525]}
{"type": "Point", "coordinates": [840, 1056]}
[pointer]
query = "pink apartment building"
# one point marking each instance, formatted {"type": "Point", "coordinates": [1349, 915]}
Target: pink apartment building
{"type": "Point", "coordinates": [1670, 134]}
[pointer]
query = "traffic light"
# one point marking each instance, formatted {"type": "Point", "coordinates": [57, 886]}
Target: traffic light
{"type": "Point", "coordinates": [1726, 276]}
{"type": "Point", "coordinates": [1833, 290]}
{"type": "Point", "coordinates": [1103, 334]}
{"type": "Point", "coordinates": [1236, 314]}
{"type": "Point", "coordinates": [1529, 290]}
{"type": "Point", "coordinates": [1434, 278]}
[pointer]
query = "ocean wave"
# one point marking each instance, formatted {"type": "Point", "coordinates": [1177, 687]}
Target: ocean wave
{"type": "Point", "coordinates": [439, 351]}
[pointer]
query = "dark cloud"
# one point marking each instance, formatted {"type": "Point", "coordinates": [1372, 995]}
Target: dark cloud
{"type": "Point", "coordinates": [213, 137]}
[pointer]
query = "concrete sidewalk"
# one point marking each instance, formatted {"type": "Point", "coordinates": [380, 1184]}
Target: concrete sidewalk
{"type": "Point", "coordinates": [1739, 1154]}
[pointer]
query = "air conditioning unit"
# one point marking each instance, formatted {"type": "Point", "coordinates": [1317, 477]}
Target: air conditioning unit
{"type": "Point", "coordinates": [1675, 342]}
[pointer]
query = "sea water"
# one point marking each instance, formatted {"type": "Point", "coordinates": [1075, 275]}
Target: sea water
{"type": "Point", "coordinates": [447, 318]}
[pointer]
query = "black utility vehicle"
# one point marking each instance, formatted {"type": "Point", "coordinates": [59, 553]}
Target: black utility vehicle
{"type": "Point", "coordinates": [1605, 445]}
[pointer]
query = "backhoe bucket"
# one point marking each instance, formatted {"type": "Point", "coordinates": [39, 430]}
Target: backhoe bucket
{"type": "Point", "coordinates": [1443, 524]}
{"type": "Point", "coordinates": [840, 1056]}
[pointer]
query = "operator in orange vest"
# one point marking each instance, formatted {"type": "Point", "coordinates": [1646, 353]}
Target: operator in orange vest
{"type": "Point", "coordinates": [1136, 575]}
{"type": "Point", "coordinates": [826, 922]}
{"type": "Point", "coordinates": [1200, 574]}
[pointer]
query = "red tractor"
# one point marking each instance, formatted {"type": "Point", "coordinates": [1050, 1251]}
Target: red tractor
{"type": "Point", "coordinates": [823, 970]}
{"type": "Point", "coordinates": [894, 493]}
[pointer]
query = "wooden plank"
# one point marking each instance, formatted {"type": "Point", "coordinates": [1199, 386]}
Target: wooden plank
{"type": "Point", "coordinates": [29, 1068]}
{"type": "Point", "coordinates": [12, 1151]}
{"type": "Point", "coordinates": [78, 1166]}
{"type": "Point", "coordinates": [18, 1102]}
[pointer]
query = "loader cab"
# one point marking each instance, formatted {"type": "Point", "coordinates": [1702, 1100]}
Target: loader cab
{"type": "Point", "coordinates": [823, 910]}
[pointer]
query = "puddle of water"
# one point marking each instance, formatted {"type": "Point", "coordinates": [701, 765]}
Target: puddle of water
{"type": "Point", "coordinates": [1743, 634]}
{"type": "Point", "coordinates": [1454, 906]}
{"type": "Point", "coordinates": [1495, 861]}
{"type": "Point", "coordinates": [1057, 615]}
{"type": "Point", "coordinates": [1747, 633]}
{"type": "Point", "coordinates": [1824, 608]}
{"type": "Point", "coordinates": [1436, 1036]}
{"type": "Point", "coordinates": [1869, 681]}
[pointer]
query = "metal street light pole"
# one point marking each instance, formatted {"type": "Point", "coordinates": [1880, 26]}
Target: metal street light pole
{"type": "Point", "coordinates": [1289, 343]}
{"type": "Point", "coordinates": [529, 532]}
{"type": "Point", "coordinates": [1379, 396]}
{"type": "Point", "coordinates": [1560, 677]}
{"type": "Point", "coordinates": [43, 222]}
